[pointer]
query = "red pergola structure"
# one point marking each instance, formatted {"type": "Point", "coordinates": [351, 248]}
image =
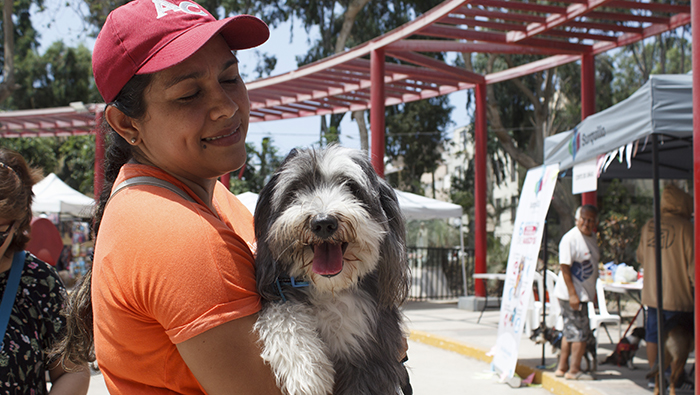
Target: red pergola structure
{"type": "Point", "coordinates": [560, 31]}
{"type": "Point", "coordinates": [571, 31]}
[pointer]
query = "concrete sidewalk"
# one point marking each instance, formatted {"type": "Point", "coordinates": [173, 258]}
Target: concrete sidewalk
{"type": "Point", "coordinates": [445, 326]}
{"type": "Point", "coordinates": [447, 356]}
{"type": "Point", "coordinates": [433, 371]}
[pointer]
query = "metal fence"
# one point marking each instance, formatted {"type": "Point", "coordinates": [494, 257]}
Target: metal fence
{"type": "Point", "coordinates": [436, 273]}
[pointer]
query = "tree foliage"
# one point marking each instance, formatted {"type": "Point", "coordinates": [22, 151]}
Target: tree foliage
{"type": "Point", "coordinates": [72, 159]}
{"type": "Point", "coordinates": [259, 166]}
{"type": "Point", "coordinates": [415, 135]}
{"type": "Point", "coordinates": [22, 38]}
{"type": "Point", "coordinates": [58, 77]}
{"type": "Point", "coordinates": [77, 163]}
{"type": "Point", "coordinates": [39, 152]}
{"type": "Point", "coordinates": [623, 213]}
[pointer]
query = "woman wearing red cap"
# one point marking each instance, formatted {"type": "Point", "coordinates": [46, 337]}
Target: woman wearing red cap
{"type": "Point", "coordinates": [172, 296]}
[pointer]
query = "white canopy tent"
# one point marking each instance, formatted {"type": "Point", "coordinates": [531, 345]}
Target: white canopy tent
{"type": "Point", "coordinates": [427, 281]}
{"type": "Point", "coordinates": [416, 207]}
{"type": "Point", "coordinates": [662, 106]}
{"type": "Point", "coordinates": [51, 195]}
{"type": "Point", "coordinates": [249, 200]}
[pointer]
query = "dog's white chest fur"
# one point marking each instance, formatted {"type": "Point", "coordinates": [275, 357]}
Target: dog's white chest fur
{"type": "Point", "coordinates": [328, 327]}
{"type": "Point", "coordinates": [344, 321]}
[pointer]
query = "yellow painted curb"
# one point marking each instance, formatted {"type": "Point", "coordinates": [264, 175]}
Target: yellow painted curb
{"type": "Point", "coordinates": [555, 385]}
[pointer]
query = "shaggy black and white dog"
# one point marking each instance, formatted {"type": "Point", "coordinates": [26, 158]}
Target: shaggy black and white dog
{"type": "Point", "coordinates": [331, 269]}
{"type": "Point", "coordinates": [543, 334]}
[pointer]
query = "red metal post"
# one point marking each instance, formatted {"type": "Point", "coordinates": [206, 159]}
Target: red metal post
{"type": "Point", "coordinates": [695, 16]}
{"type": "Point", "coordinates": [99, 173]}
{"type": "Point", "coordinates": [480, 188]}
{"type": "Point", "coordinates": [226, 180]}
{"type": "Point", "coordinates": [376, 114]}
{"type": "Point", "coordinates": [588, 107]}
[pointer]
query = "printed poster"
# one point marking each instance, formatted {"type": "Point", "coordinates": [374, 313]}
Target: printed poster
{"type": "Point", "coordinates": [535, 199]}
{"type": "Point", "coordinates": [585, 177]}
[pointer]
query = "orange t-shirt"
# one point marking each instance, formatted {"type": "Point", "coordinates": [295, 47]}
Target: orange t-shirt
{"type": "Point", "coordinates": [166, 270]}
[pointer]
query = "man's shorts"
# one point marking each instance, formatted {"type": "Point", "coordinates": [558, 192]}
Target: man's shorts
{"type": "Point", "coordinates": [671, 319]}
{"type": "Point", "coordinates": [577, 327]}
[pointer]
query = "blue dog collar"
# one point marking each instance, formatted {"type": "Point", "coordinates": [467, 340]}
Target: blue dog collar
{"type": "Point", "coordinates": [291, 281]}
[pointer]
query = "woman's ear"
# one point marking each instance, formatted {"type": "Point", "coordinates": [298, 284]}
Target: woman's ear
{"type": "Point", "coordinates": [122, 124]}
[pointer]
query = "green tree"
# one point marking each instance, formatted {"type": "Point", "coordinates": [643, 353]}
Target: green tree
{"type": "Point", "coordinates": [18, 38]}
{"type": "Point", "coordinates": [357, 24]}
{"type": "Point", "coordinates": [72, 159]}
{"type": "Point", "coordinates": [58, 77]}
{"type": "Point", "coordinates": [622, 215]}
{"type": "Point", "coordinates": [78, 163]}
{"type": "Point", "coordinates": [258, 169]}
{"type": "Point", "coordinates": [40, 152]}
{"type": "Point", "coordinates": [415, 132]}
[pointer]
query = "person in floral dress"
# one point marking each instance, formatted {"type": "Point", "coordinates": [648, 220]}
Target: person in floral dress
{"type": "Point", "coordinates": [36, 320]}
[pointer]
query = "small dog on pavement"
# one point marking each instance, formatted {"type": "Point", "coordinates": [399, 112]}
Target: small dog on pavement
{"type": "Point", "coordinates": [554, 337]}
{"type": "Point", "coordinates": [331, 269]}
{"type": "Point", "coordinates": [626, 349]}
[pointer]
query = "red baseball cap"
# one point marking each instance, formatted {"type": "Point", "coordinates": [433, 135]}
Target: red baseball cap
{"type": "Point", "coordinates": [146, 36]}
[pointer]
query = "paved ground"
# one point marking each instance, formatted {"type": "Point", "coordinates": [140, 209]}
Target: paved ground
{"type": "Point", "coordinates": [97, 385]}
{"type": "Point", "coordinates": [433, 371]}
{"type": "Point", "coordinates": [457, 329]}
{"type": "Point", "coordinates": [447, 357]}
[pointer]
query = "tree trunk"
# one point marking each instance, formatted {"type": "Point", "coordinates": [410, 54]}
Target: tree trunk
{"type": "Point", "coordinates": [353, 9]}
{"type": "Point", "coordinates": [564, 203]}
{"type": "Point", "coordinates": [8, 85]}
{"type": "Point", "coordinates": [351, 12]}
{"type": "Point", "coordinates": [359, 117]}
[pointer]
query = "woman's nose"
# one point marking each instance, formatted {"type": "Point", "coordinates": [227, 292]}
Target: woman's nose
{"type": "Point", "coordinates": [224, 105]}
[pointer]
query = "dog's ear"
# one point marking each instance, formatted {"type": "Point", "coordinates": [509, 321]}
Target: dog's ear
{"type": "Point", "coordinates": [395, 271]}
{"type": "Point", "coordinates": [292, 153]}
{"type": "Point", "coordinates": [262, 209]}
{"type": "Point", "coordinates": [267, 269]}
{"type": "Point", "coordinates": [266, 266]}
{"type": "Point", "coordinates": [393, 267]}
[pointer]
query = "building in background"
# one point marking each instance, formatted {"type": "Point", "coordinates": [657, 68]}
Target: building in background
{"type": "Point", "coordinates": [502, 197]}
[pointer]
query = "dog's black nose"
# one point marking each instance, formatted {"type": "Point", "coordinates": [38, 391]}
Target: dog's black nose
{"type": "Point", "coordinates": [324, 225]}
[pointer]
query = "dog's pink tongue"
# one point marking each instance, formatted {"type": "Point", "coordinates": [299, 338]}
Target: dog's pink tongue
{"type": "Point", "coordinates": [328, 259]}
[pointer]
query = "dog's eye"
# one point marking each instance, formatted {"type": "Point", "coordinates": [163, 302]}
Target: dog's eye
{"type": "Point", "coordinates": [355, 189]}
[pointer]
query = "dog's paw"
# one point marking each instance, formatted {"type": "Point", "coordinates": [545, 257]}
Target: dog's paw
{"type": "Point", "coordinates": [291, 346]}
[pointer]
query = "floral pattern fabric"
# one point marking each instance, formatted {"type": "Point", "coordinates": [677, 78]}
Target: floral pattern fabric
{"type": "Point", "coordinates": [35, 324]}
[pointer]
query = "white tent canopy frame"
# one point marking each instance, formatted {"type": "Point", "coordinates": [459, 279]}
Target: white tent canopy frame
{"type": "Point", "coordinates": [416, 207]}
{"type": "Point", "coordinates": [662, 106]}
{"type": "Point", "coordinates": [660, 111]}
{"type": "Point", "coordinates": [51, 195]}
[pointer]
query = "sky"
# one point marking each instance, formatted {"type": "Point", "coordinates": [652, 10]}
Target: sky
{"type": "Point", "coordinates": [62, 20]}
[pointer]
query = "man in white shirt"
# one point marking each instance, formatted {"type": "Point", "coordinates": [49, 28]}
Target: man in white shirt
{"type": "Point", "coordinates": [578, 263]}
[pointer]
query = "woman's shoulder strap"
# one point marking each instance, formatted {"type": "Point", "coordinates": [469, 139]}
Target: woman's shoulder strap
{"type": "Point", "coordinates": [148, 180]}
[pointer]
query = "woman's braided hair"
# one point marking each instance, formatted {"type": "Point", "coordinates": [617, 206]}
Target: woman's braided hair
{"type": "Point", "coordinates": [77, 345]}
